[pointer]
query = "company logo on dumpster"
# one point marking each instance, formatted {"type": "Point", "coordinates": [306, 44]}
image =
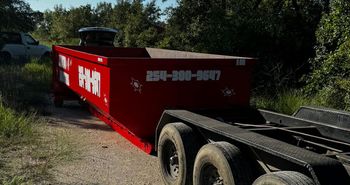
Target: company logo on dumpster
{"type": "Point", "coordinates": [64, 62]}
{"type": "Point", "coordinates": [90, 80]}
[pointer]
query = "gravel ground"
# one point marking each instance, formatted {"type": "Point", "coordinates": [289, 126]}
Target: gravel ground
{"type": "Point", "coordinates": [104, 157]}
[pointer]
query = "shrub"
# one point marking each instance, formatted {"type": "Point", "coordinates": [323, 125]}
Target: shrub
{"type": "Point", "coordinates": [286, 101]}
{"type": "Point", "coordinates": [14, 124]}
{"type": "Point", "coordinates": [25, 87]}
{"type": "Point", "coordinates": [329, 80]}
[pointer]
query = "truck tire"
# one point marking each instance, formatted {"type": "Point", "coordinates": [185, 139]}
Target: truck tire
{"type": "Point", "coordinates": [284, 178]}
{"type": "Point", "coordinates": [5, 57]}
{"type": "Point", "coordinates": [177, 148]}
{"type": "Point", "coordinates": [221, 163]}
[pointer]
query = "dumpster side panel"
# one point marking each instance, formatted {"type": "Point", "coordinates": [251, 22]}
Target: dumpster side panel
{"type": "Point", "coordinates": [89, 80]}
{"type": "Point", "coordinates": [135, 91]}
{"type": "Point", "coordinates": [141, 89]}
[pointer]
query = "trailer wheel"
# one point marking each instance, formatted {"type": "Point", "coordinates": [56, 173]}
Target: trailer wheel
{"type": "Point", "coordinates": [82, 103]}
{"type": "Point", "coordinates": [284, 178]}
{"type": "Point", "coordinates": [177, 148]}
{"type": "Point", "coordinates": [221, 163]}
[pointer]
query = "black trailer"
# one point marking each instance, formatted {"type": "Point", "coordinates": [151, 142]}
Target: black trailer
{"type": "Point", "coordinates": [245, 146]}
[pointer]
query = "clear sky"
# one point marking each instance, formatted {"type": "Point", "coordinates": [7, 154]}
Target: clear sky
{"type": "Point", "coordinates": [42, 5]}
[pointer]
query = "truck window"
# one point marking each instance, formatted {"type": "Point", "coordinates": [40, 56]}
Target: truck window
{"type": "Point", "coordinates": [29, 39]}
{"type": "Point", "coordinates": [11, 38]}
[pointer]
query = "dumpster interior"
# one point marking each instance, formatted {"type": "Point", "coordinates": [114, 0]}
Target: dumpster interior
{"type": "Point", "coordinates": [111, 52]}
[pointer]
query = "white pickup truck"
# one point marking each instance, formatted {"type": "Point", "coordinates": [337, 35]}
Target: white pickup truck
{"type": "Point", "coordinates": [21, 46]}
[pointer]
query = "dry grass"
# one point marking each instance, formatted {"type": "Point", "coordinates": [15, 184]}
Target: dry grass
{"type": "Point", "coordinates": [28, 147]}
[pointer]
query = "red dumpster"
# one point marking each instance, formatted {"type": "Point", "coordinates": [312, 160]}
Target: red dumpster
{"type": "Point", "coordinates": [129, 88]}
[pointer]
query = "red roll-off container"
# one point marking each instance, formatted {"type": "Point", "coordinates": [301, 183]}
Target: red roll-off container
{"type": "Point", "coordinates": [129, 88]}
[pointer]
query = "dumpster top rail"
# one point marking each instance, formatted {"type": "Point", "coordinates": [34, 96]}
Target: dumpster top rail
{"type": "Point", "coordinates": [105, 53]}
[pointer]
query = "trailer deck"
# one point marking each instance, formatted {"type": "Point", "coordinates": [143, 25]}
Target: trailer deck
{"type": "Point", "coordinates": [285, 145]}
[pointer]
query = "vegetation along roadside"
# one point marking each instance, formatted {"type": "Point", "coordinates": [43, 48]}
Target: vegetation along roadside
{"type": "Point", "coordinates": [28, 147]}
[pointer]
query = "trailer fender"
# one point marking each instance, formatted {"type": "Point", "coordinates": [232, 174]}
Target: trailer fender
{"type": "Point", "coordinates": [164, 119]}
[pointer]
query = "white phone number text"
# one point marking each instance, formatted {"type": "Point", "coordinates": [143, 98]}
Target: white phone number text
{"type": "Point", "coordinates": [183, 75]}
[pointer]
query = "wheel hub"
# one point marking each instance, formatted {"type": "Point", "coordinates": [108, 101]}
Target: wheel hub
{"type": "Point", "coordinates": [211, 176]}
{"type": "Point", "coordinates": [174, 164]}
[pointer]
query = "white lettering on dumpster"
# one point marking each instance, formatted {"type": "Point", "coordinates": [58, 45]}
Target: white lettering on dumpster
{"type": "Point", "coordinates": [240, 62]}
{"type": "Point", "coordinates": [64, 77]}
{"type": "Point", "coordinates": [90, 80]}
{"type": "Point", "coordinates": [64, 62]}
{"type": "Point", "coordinates": [183, 75]}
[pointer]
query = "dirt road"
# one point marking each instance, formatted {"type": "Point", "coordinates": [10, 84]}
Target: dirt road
{"type": "Point", "coordinates": [104, 157]}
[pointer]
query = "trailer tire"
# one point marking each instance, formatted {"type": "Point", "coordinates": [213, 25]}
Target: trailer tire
{"type": "Point", "coordinates": [221, 163]}
{"type": "Point", "coordinates": [284, 178]}
{"type": "Point", "coordinates": [177, 148]}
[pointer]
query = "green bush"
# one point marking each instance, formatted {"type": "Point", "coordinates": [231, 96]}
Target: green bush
{"type": "Point", "coordinates": [25, 87]}
{"type": "Point", "coordinates": [23, 91]}
{"type": "Point", "coordinates": [286, 101]}
{"type": "Point", "coordinates": [329, 80]}
{"type": "Point", "coordinates": [14, 124]}
{"type": "Point", "coordinates": [335, 95]}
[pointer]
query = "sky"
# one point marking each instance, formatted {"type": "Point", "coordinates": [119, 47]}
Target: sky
{"type": "Point", "coordinates": [42, 5]}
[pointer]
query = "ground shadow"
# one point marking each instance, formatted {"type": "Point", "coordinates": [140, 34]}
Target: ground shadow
{"type": "Point", "coordinates": [75, 115]}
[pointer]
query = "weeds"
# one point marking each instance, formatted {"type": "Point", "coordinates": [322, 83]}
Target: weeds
{"type": "Point", "coordinates": [25, 87]}
{"type": "Point", "coordinates": [286, 101]}
{"type": "Point", "coordinates": [28, 149]}
{"type": "Point", "coordinates": [14, 124]}
{"type": "Point", "coordinates": [17, 180]}
{"type": "Point", "coordinates": [30, 159]}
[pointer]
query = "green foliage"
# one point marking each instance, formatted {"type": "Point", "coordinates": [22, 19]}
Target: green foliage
{"type": "Point", "coordinates": [277, 32]}
{"type": "Point", "coordinates": [28, 149]}
{"type": "Point", "coordinates": [330, 76]}
{"type": "Point", "coordinates": [287, 101]}
{"type": "Point", "coordinates": [23, 90]}
{"type": "Point", "coordinates": [14, 124]}
{"type": "Point", "coordinates": [25, 87]}
{"type": "Point", "coordinates": [138, 23]}
{"type": "Point", "coordinates": [280, 33]}
{"type": "Point", "coordinates": [16, 15]}
{"type": "Point", "coordinates": [141, 27]}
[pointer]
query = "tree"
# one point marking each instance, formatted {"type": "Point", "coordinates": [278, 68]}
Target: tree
{"type": "Point", "coordinates": [279, 33]}
{"type": "Point", "coordinates": [138, 24]}
{"type": "Point", "coordinates": [61, 25]}
{"type": "Point", "coordinates": [16, 15]}
{"type": "Point", "coordinates": [330, 75]}
{"type": "Point", "coordinates": [104, 14]}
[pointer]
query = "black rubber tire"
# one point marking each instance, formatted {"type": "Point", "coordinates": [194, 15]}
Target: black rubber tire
{"type": "Point", "coordinates": [186, 145]}
{"type": "Point", "coordinates": [5, 57]}
{"type": "Point", "coordinates": [223, 159]}
{"type": "Point", "coordinates": [284, 178]}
